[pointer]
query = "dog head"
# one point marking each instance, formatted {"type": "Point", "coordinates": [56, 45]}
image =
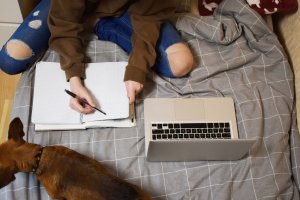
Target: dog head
{"type": "Point", "coordinates": [16, 154]}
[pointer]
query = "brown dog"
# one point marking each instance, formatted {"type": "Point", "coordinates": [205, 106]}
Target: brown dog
{"type": "Point", "coordinates": [65, 173]}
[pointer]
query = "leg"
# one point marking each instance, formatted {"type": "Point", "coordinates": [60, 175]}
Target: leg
{"type": "Point", "coordinates": [28, 41]}
{"type": "Point", "coordinates": [109, 29]}
{"type": "Point", "coordinates": [174, 58]}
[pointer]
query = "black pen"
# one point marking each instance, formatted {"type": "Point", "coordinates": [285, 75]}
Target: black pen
{"type": "Point", "coordinates": [81, 100]}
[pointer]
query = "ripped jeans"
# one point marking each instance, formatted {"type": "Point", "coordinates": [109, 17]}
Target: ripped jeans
{"type": "Point", "coordinates": [119, 30]}
{"type": "Point", "coordinates": [33, 34]}
{"type": "Point", "coordinates": [27, 42]}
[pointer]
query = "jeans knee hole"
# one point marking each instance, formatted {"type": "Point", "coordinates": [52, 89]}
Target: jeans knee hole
{"type": "Point", "coordinates": [18, 50]}
{"type": "Point", "coordinates": [36, 13]}
{"type": "Point", "coordinates": [35, 24]}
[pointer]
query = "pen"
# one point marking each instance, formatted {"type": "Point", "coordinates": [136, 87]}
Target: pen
{"type": "Point", "coordinates": [131, 112]}
{"type": "Point", "coordinates": [82, 100]}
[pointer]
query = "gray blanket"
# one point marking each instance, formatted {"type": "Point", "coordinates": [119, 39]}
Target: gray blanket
{"type": "Point", "coordinates": [238, 56]}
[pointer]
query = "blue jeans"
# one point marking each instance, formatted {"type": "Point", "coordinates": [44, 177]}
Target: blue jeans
{"type": "Point", "coordinates": [119, 30]}
{"type": "Point", "coordinates": [33, 34]}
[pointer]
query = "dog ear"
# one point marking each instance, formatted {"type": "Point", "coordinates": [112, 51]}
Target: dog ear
{"type": "Point", "coordinates": [6, 176]}
{"type": "Point", "coordinates": [15, 131]}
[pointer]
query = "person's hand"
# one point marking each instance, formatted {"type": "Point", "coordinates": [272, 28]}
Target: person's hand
{"type": "Point", "coordinates": [133, 88]}
{"type": "Point", "coordinates": [78, 88]}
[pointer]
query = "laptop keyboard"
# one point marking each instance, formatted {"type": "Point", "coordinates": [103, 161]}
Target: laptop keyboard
{"type": "Point", "coordinates": [203, 130]}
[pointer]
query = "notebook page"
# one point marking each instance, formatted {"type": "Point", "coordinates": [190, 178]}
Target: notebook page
{"type": "Point", "coordinates": [50, 102]}
{"type": "Point", "coordinates": [105, 81]}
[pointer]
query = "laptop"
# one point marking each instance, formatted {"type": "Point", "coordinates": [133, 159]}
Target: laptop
{"type": "Point", "coordinates": [192, 129]}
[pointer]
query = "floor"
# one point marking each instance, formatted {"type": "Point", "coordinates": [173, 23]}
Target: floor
{"type": "Point", "coordinates": [8, 86]}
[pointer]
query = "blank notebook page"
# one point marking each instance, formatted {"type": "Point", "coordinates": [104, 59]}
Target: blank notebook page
{"type": "Point", "coordinates": [104, 80]}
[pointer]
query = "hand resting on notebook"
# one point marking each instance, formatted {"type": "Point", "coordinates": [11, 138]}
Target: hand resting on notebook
{"type": "Point", "coordinates": [133, 88]}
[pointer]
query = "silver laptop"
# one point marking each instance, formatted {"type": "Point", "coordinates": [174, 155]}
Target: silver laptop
{"type": "Point", "coordinates": [192, 129]}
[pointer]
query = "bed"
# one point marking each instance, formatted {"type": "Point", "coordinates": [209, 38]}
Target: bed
{"type": "Point", "coordinates": [237, 56]}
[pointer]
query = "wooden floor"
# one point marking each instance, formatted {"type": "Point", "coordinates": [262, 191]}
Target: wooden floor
{"type": "Point", "coordinates": [8, 86]}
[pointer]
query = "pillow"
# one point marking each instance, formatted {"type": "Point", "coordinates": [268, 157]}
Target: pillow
{"type": "Point", "coordinates": [207, 7]}
{"type": "Point", "coordinates": [263, 7]}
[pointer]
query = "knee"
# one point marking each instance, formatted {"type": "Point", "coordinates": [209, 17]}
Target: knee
{"type": "Point", "coordinates": [18, 50]}
{"type": "Point", "coordinates": [180, 59]}
{"type": "Point", "coordinates": [13, 55]}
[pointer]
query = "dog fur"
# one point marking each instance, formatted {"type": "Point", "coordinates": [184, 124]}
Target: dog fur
{"type": "Point", "coordinates": [65, 173]}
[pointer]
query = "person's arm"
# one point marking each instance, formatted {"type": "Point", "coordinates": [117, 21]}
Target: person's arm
{"type": "Point", "coordinates": [66, 26]}
{"type": "Point", "coordinates": [146, 18]}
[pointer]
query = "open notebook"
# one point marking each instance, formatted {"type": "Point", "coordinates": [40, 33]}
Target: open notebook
{"type": "Point", "coordinates": [51, 109]}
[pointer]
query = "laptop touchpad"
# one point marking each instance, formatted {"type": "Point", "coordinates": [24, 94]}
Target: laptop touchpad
{"type": "Point", "coordinates": [191, 109]}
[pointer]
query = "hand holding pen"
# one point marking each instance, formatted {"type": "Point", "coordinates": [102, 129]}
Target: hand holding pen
{"type": "Point", "coordinates": [81, 92]}
{"type": "Point", "coordinates": [82, 101]}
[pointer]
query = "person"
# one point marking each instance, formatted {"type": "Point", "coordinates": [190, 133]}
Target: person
{"type": "Point", "coordinates": [141, 28]}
